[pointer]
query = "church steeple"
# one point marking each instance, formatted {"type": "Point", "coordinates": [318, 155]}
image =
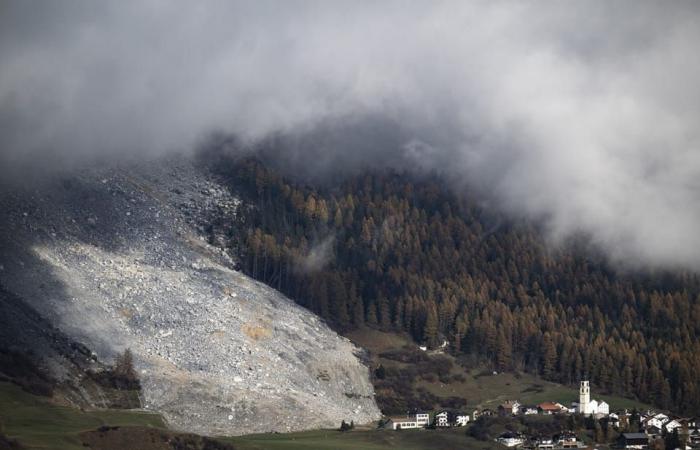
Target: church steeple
{"type": "Point", "coordinates": [584, 397]}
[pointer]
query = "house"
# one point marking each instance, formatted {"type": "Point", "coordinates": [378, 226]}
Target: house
{"type": "Point", "coordinates": [544, 443]}
{"type": "Point", "coordinates": [564, 409]}
{"type": "Point", "coordinates": [510, 439]}
{"type": "Point", "coordinates": [528, 410]}
{"type": "Point", "coordinates": [476, 414]}
{"type": "Point", "coordinates": [639, 441]}
{"type": "Point", "coordinates": [614, 420]}
{"type": "Point", "coordinates": [655, 420]}
{"type": "Point", "coordinates": [671, 425]}
{"type": "Point", "coordinates": [694, 437]}
{"type": "Point", "coordinates": [548, 408]}
{"type": "Point", "coordinates": [566, 439]}
{"type": "Point", "coordinates": [461, 419]}
{"type": "Point", "coordinates": [401, 423]}
{"type": "Point", "coordinates": [422, 419]}
{"type": "Point", "coordinates": [509, 408]}
{"type": "Point", "coordinates": [692, 422]}
{"type": "Point", "coordinates": [442, 419]}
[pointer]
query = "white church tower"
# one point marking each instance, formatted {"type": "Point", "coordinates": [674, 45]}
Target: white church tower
{"type": "Point", "coordinates": [586, 405]}
{"type": "Point", "coordinates": [584, 398]}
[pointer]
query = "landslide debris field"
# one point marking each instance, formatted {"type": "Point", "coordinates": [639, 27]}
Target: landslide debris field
{"type": "Point", "coordinates": [117, 258]}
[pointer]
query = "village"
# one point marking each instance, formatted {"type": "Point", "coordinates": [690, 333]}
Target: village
{"type": "Point", "coordinates": [634, 430]}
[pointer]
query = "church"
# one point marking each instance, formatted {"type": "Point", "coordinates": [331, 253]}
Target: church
{"type": "Point", "coordinates": [587, 406]}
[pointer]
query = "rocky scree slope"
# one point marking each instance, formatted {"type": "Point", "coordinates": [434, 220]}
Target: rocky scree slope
{"type": "Point", "coordinates": [116, 258]}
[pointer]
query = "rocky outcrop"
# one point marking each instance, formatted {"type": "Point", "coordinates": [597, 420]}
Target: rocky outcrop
{"type": "Point", "coordinates": [116, 258]}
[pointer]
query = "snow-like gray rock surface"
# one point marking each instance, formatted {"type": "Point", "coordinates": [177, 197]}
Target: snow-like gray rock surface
{"type": "Point", "coordinates": [116, 258]}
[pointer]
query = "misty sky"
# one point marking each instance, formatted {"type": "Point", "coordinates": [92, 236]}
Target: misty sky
{"type": "Point", "coordinates": [585, 115]}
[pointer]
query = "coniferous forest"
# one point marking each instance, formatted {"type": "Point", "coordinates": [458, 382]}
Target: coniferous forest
{"type": "Point", "coordinates": [406, 253]}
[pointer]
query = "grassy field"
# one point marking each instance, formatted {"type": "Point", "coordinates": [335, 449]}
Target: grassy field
{"type": "Point", "coordinates": [362, 440]}
{"type": "Point", "coordinates": [37, 423]}
{"type": "Point", "coordinates": [488, 391]}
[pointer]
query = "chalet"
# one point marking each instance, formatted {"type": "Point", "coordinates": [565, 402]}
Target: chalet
{"type": "Point", "coordinates": [548, 408]}
{"type": "Point", "coordinates": [510, 439]}
{"type": "Point", "coordinates": [401, 423]}
{"type": "Point", "coordinates": [442, 419]}
{"type": "Point", "coordinates": [461, 419]}
{"type": "Point", "coordinates": [638, 441]}
{"type": "Point", "coordinates": [476, 414]}
{"type": "Point", "coordinates": [566, 439]}
{"type": "Point", "coordinates": [509, 408]}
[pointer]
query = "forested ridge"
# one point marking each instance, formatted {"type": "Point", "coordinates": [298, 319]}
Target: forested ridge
{"type": "Point", "coordinates": [398, 252]}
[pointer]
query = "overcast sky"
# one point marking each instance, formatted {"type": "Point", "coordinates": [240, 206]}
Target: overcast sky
{"type": "Point", "coordinates": [585, 115]}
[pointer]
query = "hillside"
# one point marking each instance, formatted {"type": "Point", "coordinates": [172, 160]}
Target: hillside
{"type": "Point", "coordinates": [408, 254]}
{"type": "Point", "coordinates": [116, 258]}
{"type": "Point", "coordinates": [434, 380]}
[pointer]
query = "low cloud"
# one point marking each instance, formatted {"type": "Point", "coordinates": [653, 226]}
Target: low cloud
{"type": "Point", "coordinates": [583, 116]}
{"type": "Point", "coordinates": [318, 256]}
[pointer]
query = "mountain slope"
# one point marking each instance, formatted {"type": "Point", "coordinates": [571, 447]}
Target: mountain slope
{"type": "Point", "coordinates": [403, 252]}
{"type": "Point", "coordinates": [114, 258]}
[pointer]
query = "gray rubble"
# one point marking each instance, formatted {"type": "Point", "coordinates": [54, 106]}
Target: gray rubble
{"type": "Point", "coordinates": [117, 258]}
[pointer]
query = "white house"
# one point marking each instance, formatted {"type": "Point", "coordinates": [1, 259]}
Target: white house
{"type": "Point", "coordinates": [461, 419]}
{"type": "Point", "coordinates": [528, 410]}
{"type": "Point", "coordinates": [562, 408]}
{"type": "Point", "coordinates": [423, 419]}
{"type": "Point", "coordinates": [614, 420]}
{"type": "Point", "coordinates": [672, 425]}
{"type": "Point", "coordinates": [510, 439]}
{"type": "Point", "coordinates": [442, 419]}
{"type": "Point", "coordinates": [401, 423]}
{"type": "Point", "coordinates": [656, 420]}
